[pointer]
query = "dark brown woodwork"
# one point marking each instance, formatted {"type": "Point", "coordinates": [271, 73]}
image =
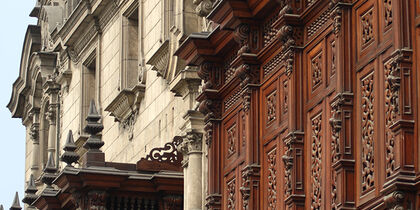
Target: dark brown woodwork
{"type": "Point", "coordinates": [313, 103]}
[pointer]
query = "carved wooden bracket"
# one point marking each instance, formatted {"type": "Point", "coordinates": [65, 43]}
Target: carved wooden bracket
{"type": "Point", "coordinates": [163, 158]}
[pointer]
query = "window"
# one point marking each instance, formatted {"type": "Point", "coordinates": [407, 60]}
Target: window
{"type": "Point", "coordinates": [130, 51]}
{"type": "Point", "coordinates": [89, 90]}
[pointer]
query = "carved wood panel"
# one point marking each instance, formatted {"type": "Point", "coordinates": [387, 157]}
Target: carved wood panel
{"type": "Point", "coordinates": [366, 28]}
{"type": "Point", "coordinates": [316, 73]}
{"type": "Point", "coordinates": [272, 176]}
{"type": "Point", "coordinates": [367, 136]}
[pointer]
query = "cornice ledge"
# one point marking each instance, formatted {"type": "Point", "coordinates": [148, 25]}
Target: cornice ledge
{"type": "Point", "coordinates": [183, 79]}
{"type": "Point", "coordinates": [126, 103]}
{"type": "Point", "coordinates": [160, 60]}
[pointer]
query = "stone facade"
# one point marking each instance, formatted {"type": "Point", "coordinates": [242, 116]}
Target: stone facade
{"type": "Point", "coordinates": [119, 54]}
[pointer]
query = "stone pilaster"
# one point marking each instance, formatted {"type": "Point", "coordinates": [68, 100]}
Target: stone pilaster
{"type": "Point", "coordinates": [34, 135]}
{"type": "Point", "coordinates": [52, 89]}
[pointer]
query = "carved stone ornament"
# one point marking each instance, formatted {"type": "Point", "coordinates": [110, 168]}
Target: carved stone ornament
{"type": "Point", "coordinates": [204, 7]}
{"type": "Point", "coordinates": [125, 107]}
{"type": "Point", "coordinates": [160, 60]}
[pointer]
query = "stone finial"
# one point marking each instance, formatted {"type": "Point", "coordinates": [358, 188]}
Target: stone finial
{"type": "Point", "coordinates": [49, 171]}
{"type": "Point", "coordinates": [70, 156]}
{"type": "Point", "coordinates": [94, 156]}
{"type": "Point", "coordinates": [93, 127]}
{"type": "Point", "coordinates": [16, 204]}
{"type": "Point", "coordinates": [30, 192]}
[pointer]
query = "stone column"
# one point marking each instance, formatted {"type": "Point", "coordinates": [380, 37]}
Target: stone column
{"type": "Point", "coordinates": [51, 117]}
{"type": "Point", "coordinates": [191, 147]}
{"type": "Point", "coordinates": [34, 135]}
{"type": "Point", "coordinates": [52, 89]}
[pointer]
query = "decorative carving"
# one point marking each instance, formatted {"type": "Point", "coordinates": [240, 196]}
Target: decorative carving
{"type": "Point", "coordinates": [34, 132]}
{"type": "Point", "coordinates": [392, 84]}
{"type": "Point", "coordinates": [213, 200]}
{"type": "Point", "coordinates": [336, 16]}
{"type": "Point", "coordinates": [316, 69]}
{"type": "Point", "coordinates": [231, 140]}
{"type": "Point", "coordinates": [387, 12]}
{"type": "Point", "coordinates": [395, 200]}
{"type": "Point", "coordinates": [318, 23]}
{"type": "Point", "coordinates": [248, 173]}
{"type": "Point", "coordinates": [231, 189]}
{"type": "Point", "coordinates": [163, 158]}
{"type": "Point", "coordinates": [269, 32]}
{"type": "Point", "coordinates": [368, 160]}
{"type": "Point", "coordinates": [285, 96]}
{"type": "Point", "coordinates": [271, 107]}
{"type": "Point", "coordinates": [285, 7]}
{"type": "Point", "coordinates": [334, 190]}
{"type": "Point", "coordinates": [243, 130]}
{"type": "Point", "coordinates": [204, 7]}
{"type": "Point", "coordinates": [288, 164]}
{"type": "Point", "coordinates": [97, 200]}
{"type": "Point", "coordinates": [316, 161]}
{"type": "Point", "coordinates": [272, 182]}
{"type": "Point", "coordinates": [241, 37]}
{"type": "Point", "coordinates": [367, 28]}
{"type": "Point", "coordinates": [228, 69]}
{"type": "Point", "coordinates": [335, 122]}
{"type": "Point", "coordinates": [333, 58]}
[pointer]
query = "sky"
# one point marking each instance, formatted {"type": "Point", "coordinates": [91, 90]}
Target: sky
{"type": "Point", "coordinates": [14, 19]}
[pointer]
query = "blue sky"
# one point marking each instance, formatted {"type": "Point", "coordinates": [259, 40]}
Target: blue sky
{"type": "Point", "coordinates": [14, 18]}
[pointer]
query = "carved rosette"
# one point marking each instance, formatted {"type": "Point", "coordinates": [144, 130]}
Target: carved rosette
{"type": "Point", "coordinates": [316, 161]}
{"type": "Point", "coordinates": [367, 123]}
